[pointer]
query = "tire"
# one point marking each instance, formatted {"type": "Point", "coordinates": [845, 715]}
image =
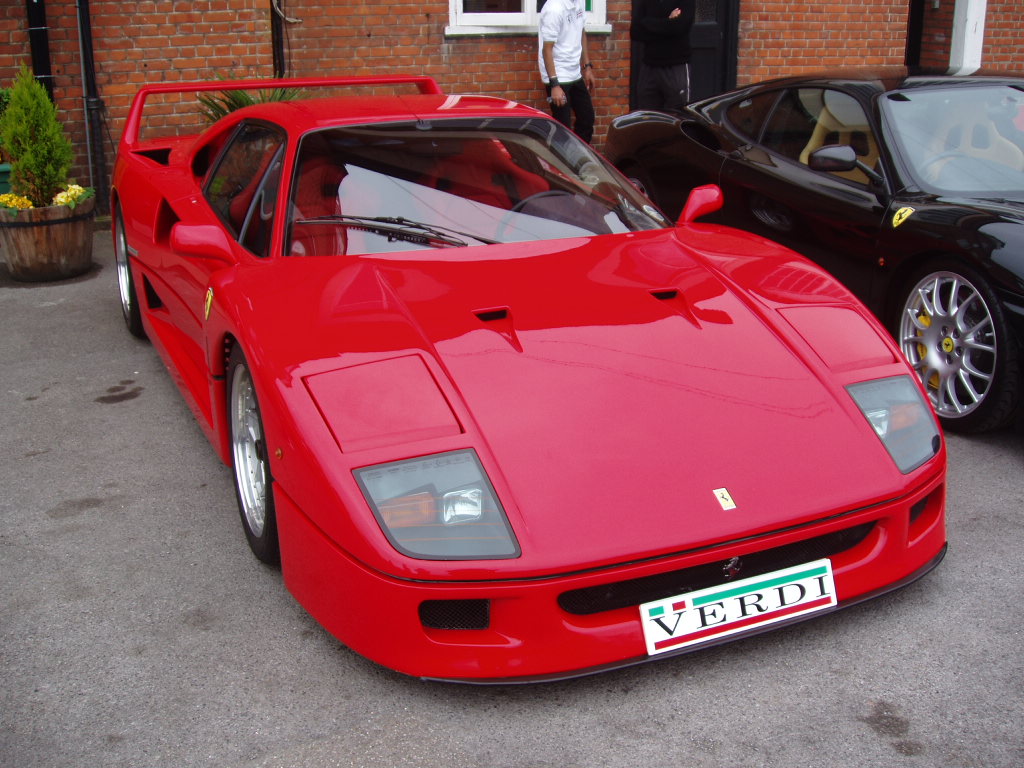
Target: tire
{"type": "Point", "coordinates": [125, 281]}
{"type": "Point", "coordinates": [250, 462]}
{"type": "Point", "coordinates": [953, 330]}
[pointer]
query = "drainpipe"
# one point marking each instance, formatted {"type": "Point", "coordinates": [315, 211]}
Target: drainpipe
{"type": "Point", "coordinates": [968, 36]}
{"type": "Point", "coordinates": [39, 43]}
{"type": "Point", "coordinates": [277, 40]}
{"type": "Point", "coordinates": [94, 111]}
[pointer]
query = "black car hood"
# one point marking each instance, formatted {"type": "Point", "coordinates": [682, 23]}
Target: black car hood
{"type": "Point", "coordinates": [1006, 208]}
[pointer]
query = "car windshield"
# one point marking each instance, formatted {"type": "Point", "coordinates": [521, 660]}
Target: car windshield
{"type": "Point", "coordinates": [962, 140]}
{"type": "Point", "coordinates": [453, 183]}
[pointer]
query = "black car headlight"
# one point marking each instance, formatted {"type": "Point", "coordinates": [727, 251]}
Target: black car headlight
{"type": "Point", "coordinates": [439, 507]}
{"type": "Point", "coordinates": [897, 411]}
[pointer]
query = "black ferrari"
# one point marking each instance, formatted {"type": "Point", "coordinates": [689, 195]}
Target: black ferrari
{"type": "Point", "coordinates": [907, 186]}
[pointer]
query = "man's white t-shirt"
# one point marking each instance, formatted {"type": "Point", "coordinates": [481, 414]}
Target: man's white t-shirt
{"type": "Point", "coordinates": [561, 23]}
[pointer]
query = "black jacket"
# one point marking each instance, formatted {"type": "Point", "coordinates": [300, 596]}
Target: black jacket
{"type": "Point", "coordinates": [666, 41]}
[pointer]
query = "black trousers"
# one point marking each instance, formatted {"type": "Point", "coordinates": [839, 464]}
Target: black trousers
{"type": "Point", "coordinates": [579, 104]}
{"type": "Point", "coordinates": [664, 89]}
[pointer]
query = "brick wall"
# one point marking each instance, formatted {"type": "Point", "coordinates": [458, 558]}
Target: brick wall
{"type": "Point", "coordinates": [1004, 35]}
{"type": "Point", "coordinates": [352, 37]}
{"type": "Point", "coordinates": [134, 44]}
{"type": "Point", "coordinates": [171, 40]}
{"type": "Point", "coordinates": [785, 38]}
{"type": "Point", "coordinates": [13, 40]}
{"type": "Point", "coordinates": [937, 35]}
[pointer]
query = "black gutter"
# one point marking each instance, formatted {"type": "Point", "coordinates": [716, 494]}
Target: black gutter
{"type": "Point", "coordinates": [39, 43]}
{"type": "Point", "coordinates": [95, 118]}
{"type": "Point", "coordinates": [277, 40]}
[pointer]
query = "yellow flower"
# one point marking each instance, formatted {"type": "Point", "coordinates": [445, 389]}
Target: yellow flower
{"type": "Point", "coordinates": [71, 195]}
{"type": "Point", "coordinates": [17, 202]}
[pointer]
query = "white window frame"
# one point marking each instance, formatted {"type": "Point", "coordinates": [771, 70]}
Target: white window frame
{"type": "Point", "coordinates": [462, 24]}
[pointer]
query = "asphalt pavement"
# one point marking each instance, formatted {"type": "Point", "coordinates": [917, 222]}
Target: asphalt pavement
{"type": "Point", "coordinates": [137, 630]}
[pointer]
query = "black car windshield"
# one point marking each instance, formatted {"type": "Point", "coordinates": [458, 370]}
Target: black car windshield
{"type": "Point", "coordinates": [961, 140]}
{"type": "Point", "coordinates": [453, 183]}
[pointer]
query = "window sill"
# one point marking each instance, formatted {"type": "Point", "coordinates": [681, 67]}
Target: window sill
{"type": "Point", "coordinates": [514, 31]}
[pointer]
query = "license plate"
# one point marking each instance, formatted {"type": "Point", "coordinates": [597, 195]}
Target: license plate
{"type": "Point", "coordinates": [716, 612]}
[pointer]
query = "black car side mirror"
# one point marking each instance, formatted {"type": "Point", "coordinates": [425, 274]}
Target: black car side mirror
{"type": "Point", "coordinates": [834, 158]}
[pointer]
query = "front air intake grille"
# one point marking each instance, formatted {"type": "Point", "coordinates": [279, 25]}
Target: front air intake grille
{"type": "Point", "coordinates": [455, 614]}
{"type": "Point", "coordinates": [623, 594]}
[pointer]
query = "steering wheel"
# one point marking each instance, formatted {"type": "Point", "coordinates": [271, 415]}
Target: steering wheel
{"type": "Point", "coordinates": [931, 173]}
{"type": "Point", "coordinates": [506, 220]}
{"type": "Point", "coordinates": [537, 196]}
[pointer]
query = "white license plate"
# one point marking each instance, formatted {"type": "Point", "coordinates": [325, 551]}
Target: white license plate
{"type": "Point", "coordinates": [737, 606]}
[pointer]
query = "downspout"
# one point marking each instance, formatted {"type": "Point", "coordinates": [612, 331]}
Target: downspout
{"type": "Point", "coordinates": [277, 40]}
{"type": "Point", "coordinates": [94, 111]}
{"type": "Point", "coordinates": [39, 43]}
{"type": "Point", "coordinates": [968, 36]}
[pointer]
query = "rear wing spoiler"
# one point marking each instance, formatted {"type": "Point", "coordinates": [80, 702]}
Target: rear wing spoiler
{"type": "Point", "coordinates": [133, 125]}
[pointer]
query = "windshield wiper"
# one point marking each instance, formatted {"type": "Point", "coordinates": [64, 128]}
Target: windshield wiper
{"type": "Point", "coordinates": [398, 228]}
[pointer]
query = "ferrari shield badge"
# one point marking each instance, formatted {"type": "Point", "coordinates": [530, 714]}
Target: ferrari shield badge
{"type": "Point", "coordinates": [724, 498]}
{"type": "Point", "coordinates": [208, 304]}
{"type": "Point", "coordinates": [901, 215]}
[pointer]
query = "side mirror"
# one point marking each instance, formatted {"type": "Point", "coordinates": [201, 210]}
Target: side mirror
{"type": "Point", "coordinates": [842, 157]}
{"type": "Point", "coordinates": [206, 241]}
{"type": "Point", "coordinates": [834, 157]}
{"type": "Point", "coordinates": [702, 201]}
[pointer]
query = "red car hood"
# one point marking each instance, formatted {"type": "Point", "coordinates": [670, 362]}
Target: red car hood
{"type": "Point", "coordinates": [611, 386]}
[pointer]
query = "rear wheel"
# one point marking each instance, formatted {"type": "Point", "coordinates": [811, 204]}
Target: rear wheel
{"type": "Point", "coordinates": [125, 282]}
{"type": "Point", "coordinates": [251, 463]}
{"type": "Point", "coordinates": [953, 331]}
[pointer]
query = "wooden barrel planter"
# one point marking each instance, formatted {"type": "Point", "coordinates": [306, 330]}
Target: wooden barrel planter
{"type": "Point", "coordinates": [52, 243]}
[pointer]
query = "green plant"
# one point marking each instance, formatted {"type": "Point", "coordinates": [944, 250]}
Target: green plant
{"type": "Point", "coordinates": [5, 96]}
{"type": "Point", "coordinates": [33, 138]}
{"type": "Point", "coordinates": [216, 105]}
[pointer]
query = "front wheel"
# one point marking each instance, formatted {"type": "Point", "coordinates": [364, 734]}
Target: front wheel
{"type": "Point", "coordinates": [953, 331]}
{"type": "Point", "coordinates": [251, 463]}
{"type": "Point", "coordinates": [125, 281]}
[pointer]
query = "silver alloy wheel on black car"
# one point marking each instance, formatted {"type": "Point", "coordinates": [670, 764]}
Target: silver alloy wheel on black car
{"type": "Point", "coordinates": [125, 283]}
{"type": "Point", "coordinates": [952, 331]}
{"type": "Point", "coordinates": [251, 464]}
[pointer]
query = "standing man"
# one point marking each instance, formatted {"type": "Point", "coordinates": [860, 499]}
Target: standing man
{"type": "Point", "coordinates": [663, 26]}
{"type": "Point", "coordinates": [565, 65]}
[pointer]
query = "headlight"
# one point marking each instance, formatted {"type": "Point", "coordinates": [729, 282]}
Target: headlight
{"type": "Point", "coordinates": [901, 419]}
{"type": "Point", "coordinates": [439, 507]}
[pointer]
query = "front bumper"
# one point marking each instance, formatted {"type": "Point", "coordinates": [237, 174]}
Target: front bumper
{"type": "Point", "coordinates": [579, 623]}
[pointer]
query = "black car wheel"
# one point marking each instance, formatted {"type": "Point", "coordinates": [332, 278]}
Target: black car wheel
{"type": "Point", "coordinates": [953, 331]}
{"type": "Point", "coordinates": [253, 481]}
{"type": "Point", "coordinates": [125, 282]}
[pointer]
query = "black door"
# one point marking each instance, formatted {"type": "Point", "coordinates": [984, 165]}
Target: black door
{"type": "Point", "coordinates": [714, 40]}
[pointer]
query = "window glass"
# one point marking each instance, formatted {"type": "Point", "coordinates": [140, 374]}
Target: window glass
{"type": "Point", "coordinates": [707, 11]}
{"type": "Point", "coordinates": [476, 17]}
{"type": "Point", "coordinates": [492, 6]}
{"type": "Point", "coordinates": [791, 125]}
{"type": "Point", "coordinates": [963, 140]}
{"type": "Point", "coordinates": [808, 119]}
{"type": "Point", "coordinates": [233, 187]}
{"type": "Point", "coordinates": [260, 221]}
{"type": "Point", "coordinates": [454, 183]}
{"type": "Point", "coordinates": [748, 116]}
